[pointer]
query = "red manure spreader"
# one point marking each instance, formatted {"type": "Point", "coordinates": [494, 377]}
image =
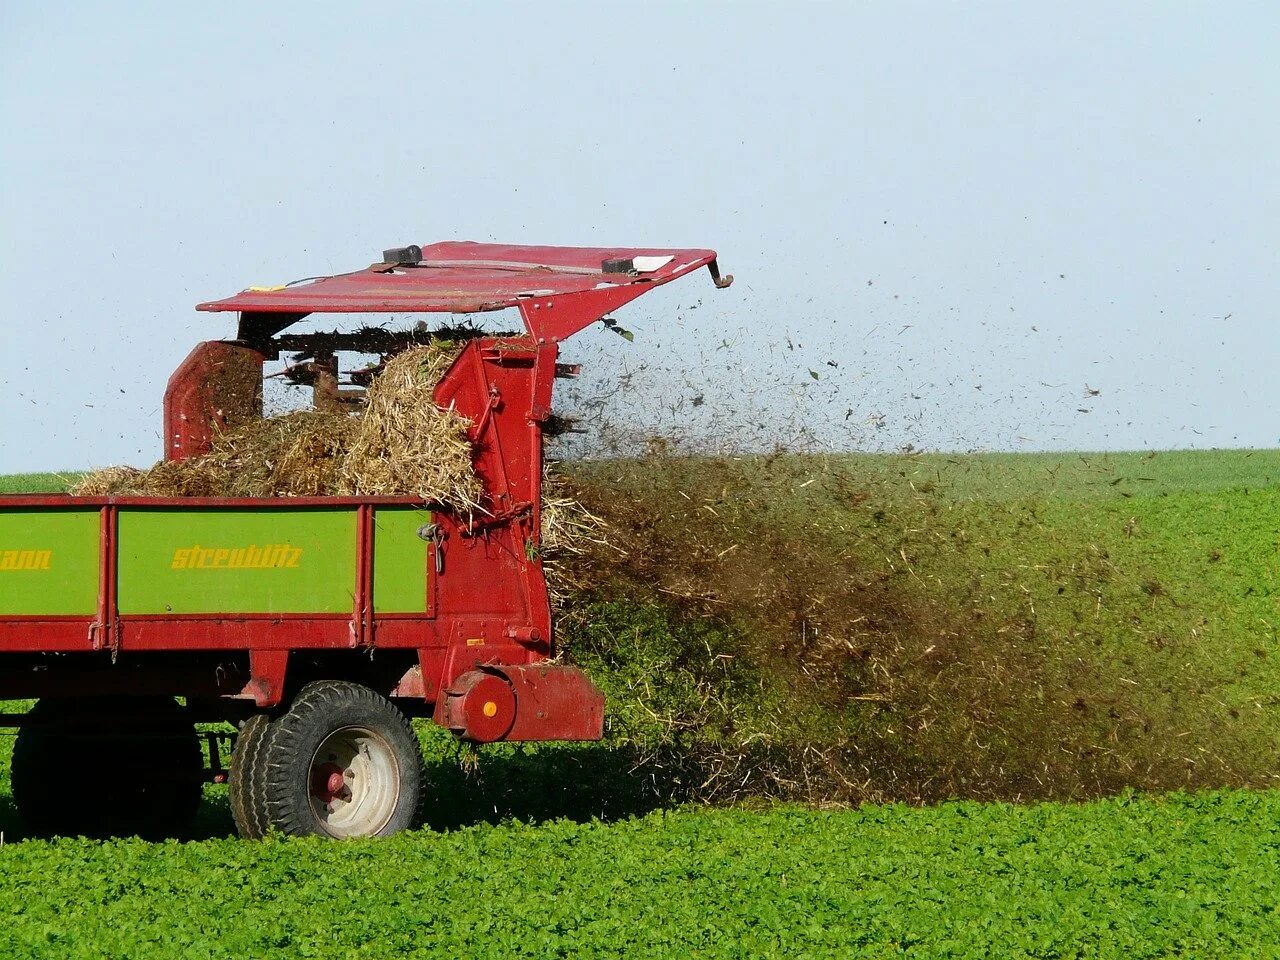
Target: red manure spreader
{"type": "Point", "coordinates": [316, 626]}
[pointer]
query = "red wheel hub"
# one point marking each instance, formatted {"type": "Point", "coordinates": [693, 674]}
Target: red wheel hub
{"type": "Point", "coordinates": [328, 783]}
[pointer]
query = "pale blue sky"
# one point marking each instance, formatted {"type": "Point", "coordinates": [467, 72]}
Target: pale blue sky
{"type": "Point", "coordinates": [973, 210]}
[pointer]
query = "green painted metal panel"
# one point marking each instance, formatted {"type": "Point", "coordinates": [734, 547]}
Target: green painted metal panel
{"type": "Point", "coordinates": [226, 560]}
{"type": "Point", "coordinates": [400, 560]}
{"type": "Point", "coordinates": [49, 561]}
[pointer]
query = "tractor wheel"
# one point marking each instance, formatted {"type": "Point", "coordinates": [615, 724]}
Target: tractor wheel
{"type": "Point", "coordinates": [245, 778]}
{"type": "Point", "coordinates": [108, 767]}
{"type": "Point", "coordinates": [341, 762]}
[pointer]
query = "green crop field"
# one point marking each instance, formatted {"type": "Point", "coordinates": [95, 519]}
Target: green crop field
{"type": "Point", "coordinates": [1133, 878]}
{"type": "Point", "coordinates": [37, 482]}
{"type": "Point", "coordinates": [1011, 644]}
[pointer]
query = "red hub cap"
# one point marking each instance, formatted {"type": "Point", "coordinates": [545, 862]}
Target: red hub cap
{"type": "Point", "coordinates": [328, 783]}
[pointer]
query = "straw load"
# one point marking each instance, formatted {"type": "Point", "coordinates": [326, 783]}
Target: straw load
{"type": "Point", "coordinates": [399, 443]}
{"type": "Point", "coordinates": [294, 455]}
{"type": "Point", "coordinates": [570, 535]}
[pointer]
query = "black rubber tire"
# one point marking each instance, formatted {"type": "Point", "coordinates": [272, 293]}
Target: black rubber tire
{"type": "Point", "coordinates": [290, 744]}
{"type": "Point", "coordinates": [119, 766]}
{"type": "Point", "coordinates": [246, 778]}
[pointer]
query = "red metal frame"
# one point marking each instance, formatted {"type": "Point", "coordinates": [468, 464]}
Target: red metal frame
{"type": "Point", "coordinates": [192, 390]}
{"type": "Point", "coordinates": [489, 609]}
{"type": "Point", "coordinates": [559, 290]}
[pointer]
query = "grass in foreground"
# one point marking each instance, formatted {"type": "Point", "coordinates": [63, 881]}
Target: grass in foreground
{"type": "Point", "coordinates": [1186, 875]}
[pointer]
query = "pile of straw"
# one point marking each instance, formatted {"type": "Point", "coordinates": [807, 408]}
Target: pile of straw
{"type": "Point", "coordinates": [297, 454]}
{"type": "Point", "coordinates": [571, 534]}
{"type": "Point", "coordinates": [398, 444]}
{"type": "Point", "coordinates": [403, 444]}
{"type": "Point", "coordinates": [568, 527]}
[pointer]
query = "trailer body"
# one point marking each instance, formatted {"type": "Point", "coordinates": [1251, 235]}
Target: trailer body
{"type": "Point", "coordinates": [245, 606]}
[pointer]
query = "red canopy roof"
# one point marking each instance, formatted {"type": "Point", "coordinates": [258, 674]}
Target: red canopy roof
{"type": "Point", "coordinates": [559, 290]}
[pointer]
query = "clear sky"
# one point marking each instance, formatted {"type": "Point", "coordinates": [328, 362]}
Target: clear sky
{"type": "Point", "coordinates": [972, 211]}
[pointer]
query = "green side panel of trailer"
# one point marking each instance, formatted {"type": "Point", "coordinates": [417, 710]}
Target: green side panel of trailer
{"type": "Point", "coordinates": [49, 561]}
{"type": "Point", "coordinates": [401, 560]}
{"type": "Point", "coordinates": [223, 560]}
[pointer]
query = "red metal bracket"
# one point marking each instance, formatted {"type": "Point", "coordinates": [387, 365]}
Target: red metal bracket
{"type": "Point", "coordinates": [267, 672]}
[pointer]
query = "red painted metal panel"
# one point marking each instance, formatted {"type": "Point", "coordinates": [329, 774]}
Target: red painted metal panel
{"type": "Point", "coordinates": [267, 669]}
{"type": "Point", "coordinates": [465, 277]}
{"type": "Point", "coordinates": [502, 701]}
{"type": "Point", "coordinates": [558, 318]}
{"type": "Point", "coordinates": [479, 706]}
{"type": "Point", "coordinates": [46, 634]}
{"type": "Point", "coordinates": [560, 290]}
{"type": "Point", "coordinates": [217, 387]}
{"type": "Point", "coordinates": [330, 632]}
{"type": "Point", "coordinates": [555, 702]}
{"type": "Point", "coordinates": [399, 630]}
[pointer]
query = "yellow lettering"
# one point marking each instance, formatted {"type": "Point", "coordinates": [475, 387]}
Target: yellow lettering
{"type": "Point", "coordinates": [25, 560]}
{"type": "Point", "coordinates": [272, 556]}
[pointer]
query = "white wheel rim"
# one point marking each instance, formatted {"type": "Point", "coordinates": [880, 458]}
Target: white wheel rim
{"type": "Point", "coordinates": [354, 783]}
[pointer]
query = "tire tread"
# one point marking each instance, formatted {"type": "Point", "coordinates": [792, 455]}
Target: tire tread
{"type": "Point", "coordinates": [281, 792]}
